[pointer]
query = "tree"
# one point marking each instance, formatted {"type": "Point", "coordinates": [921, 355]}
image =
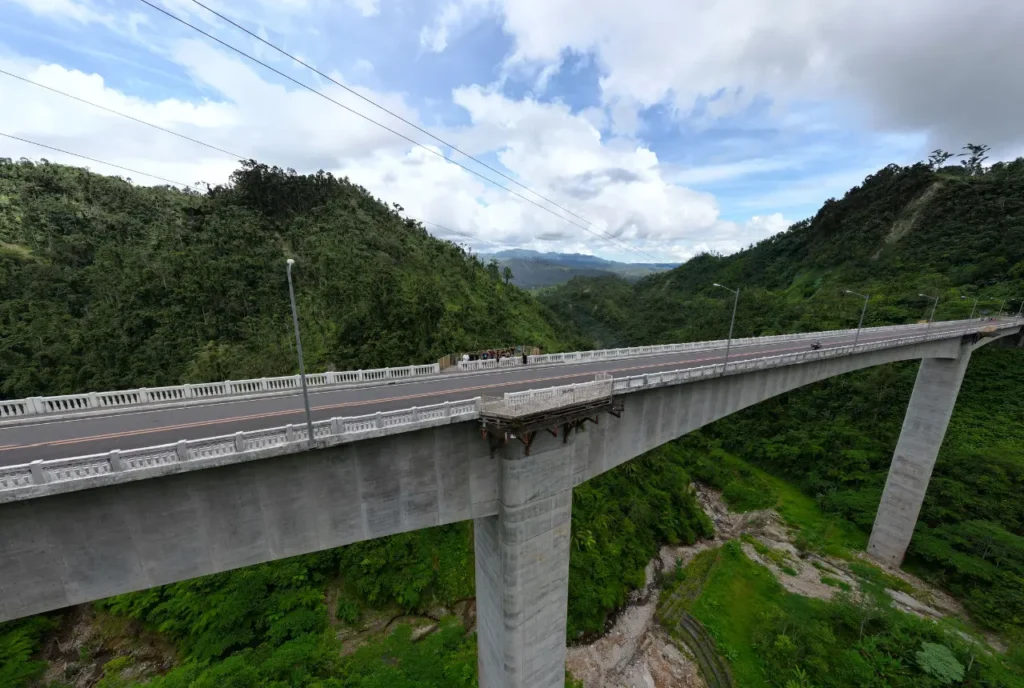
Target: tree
{"type": "Point", "coordinates": [506, 272]}
{"type": "Point", "coordinates": [976, 156]}
{"type": "Point", "coordinates": [938, 158]}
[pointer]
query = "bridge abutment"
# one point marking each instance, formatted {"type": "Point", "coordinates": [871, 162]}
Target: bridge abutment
{"type": "Point", "coordinates": [522, 568]}
{"type": "Point", "coordinates": [924, 427]}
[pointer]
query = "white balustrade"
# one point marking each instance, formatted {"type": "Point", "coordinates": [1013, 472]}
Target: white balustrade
{"type": "Point", "coordinates": [516, 403]}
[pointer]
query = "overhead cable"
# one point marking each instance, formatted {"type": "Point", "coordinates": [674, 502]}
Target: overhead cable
{"type": "Point", "coordinates": [309, 88]}
{"type": "Point", "coordinates": [101, 162]}
{"type": "Point", "coordinates": [414, 125]}
{"type": "Point", "coordinates": [121, 114]}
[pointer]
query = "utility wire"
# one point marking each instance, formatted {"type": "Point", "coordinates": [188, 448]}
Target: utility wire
{"type": "Point", "coordinates": [455, 231]}
{"type": "Point", "coordinates": [121, 114]}
{"type": "Point", "coordinates": [415, 126]}
{"type": "Point", "coordinates": [295, 81]}
{"type": "Point", "coordinates": [101, 162]}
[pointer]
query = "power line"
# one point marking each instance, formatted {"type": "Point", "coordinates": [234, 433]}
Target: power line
{"type": "Point", "coordinates": [468, 236]}
{"type": "Point", "coordinates": [415, 126]}
{"type": "Point", "coordinates": [295, 81]}
{"type": "Point", "coordinates": [101, 162]}
{"type": "Point", "coordinates": [121, 114]}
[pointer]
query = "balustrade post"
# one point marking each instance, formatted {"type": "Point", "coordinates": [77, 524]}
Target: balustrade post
{"type": "Point", "coordinates": [38, 474]}
{"type": "Point", "coordinates": [239, 441]}
{"type": "Point", "coordinates": [115, 460]}
{"type": "Point", "coordinates": [182, 450]}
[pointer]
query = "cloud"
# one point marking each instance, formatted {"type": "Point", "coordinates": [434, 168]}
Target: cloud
{"type": "Point", "coordinates": [614, 180]}
{"type": "Point", "coordinates": [453, 16]}
{"type": "Point", "coordinates": [367, 8]}
{"type": "Point", "coordinates": [65, 10]}
{"type": "Point", "coordinates": [945, 67]}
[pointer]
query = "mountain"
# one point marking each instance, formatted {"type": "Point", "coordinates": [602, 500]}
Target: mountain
{"type": "Point", "coordinates": [106, 285]}
{"type": "Point", "coordinates": [535, 269]}
{"type": "Point", "coordinates": [903, 231]}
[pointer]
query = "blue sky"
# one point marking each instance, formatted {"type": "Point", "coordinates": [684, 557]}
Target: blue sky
{"type": "Point", "coordinates": [675, 127]}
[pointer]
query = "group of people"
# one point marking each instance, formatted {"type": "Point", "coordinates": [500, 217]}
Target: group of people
{"type": "Point", "coordinates": [493, 355]}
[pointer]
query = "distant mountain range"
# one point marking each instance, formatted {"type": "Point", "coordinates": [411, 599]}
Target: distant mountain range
{"type": "Point", "coordinates": [536, 269]}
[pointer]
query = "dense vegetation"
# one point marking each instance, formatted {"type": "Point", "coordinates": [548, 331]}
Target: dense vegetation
{"type": "Point", "coordinates": [107, 285]}
{"type": "Point", "coordinates": [97, 277]}
{"type": "Point", "coordinates": [904, 231]}
{"type": "Point", "coordinates": [775, 638]}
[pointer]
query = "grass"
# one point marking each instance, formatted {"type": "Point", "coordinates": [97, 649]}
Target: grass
{"type": "Point", "coordinates": [873, 575]}
{"type": "Point", "coordinates": [753, 488]}
{"type": "Point", "coordinates": [836, 583]}
{"type": "Point", "coordinates": [737, 591]}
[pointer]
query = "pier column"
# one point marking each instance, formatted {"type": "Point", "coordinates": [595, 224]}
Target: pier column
{"type": "Point", "coordinates": [522, 568]}
{"type": "Point", "coordinates": [924, 427]}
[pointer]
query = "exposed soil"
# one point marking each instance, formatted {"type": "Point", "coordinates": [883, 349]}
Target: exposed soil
{"type": "Point", "coordinates": [635, 651]}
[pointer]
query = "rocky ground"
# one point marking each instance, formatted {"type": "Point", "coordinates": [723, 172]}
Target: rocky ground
{"type": "Point", "coordinates": [637, 653]}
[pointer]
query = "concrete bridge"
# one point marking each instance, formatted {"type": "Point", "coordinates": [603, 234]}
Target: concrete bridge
{"type": "Point", "coordinates": [80, 529]}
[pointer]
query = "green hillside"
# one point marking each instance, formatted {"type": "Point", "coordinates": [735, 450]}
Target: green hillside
{"type": "Point", "coordinates": [107, 285]}
{"type": "Point", "coordinates": [903, 231]}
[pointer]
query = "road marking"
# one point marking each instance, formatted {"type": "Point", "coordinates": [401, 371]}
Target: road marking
{"type": "Point", "coordinates": [348, 404]}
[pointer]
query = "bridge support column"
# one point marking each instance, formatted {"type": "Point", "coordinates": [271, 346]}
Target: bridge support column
{"type": "Point", "coordinates": [522, 568]}
{"type": "Point", "coordinates": [924, 427]}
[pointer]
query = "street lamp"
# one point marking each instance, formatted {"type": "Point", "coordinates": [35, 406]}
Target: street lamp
{"type": "Point", "coordinates": [862, 312]}
{"type": "Point", "coordinates": [934, 306]}
{"type": "Point", "coordinates": [735, 302]}
{"type": "Point", "coordinates": [1000, 311]}
{"type": "Point", "coordinates": [298, 346]}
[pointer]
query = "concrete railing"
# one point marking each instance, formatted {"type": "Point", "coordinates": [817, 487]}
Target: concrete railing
{"type": "Point", "coordinates": [244, 446]}
{"type": "Point", "coordinates": [183, 394]}
{"type": "Point", "coordinates": [69, 403]}
{"type": "Point", "coordinates": [515, 404]}
{"type": "Point", "coordinates": [632, 352]}
{"type": "Point", "coordinates": [336, 429]}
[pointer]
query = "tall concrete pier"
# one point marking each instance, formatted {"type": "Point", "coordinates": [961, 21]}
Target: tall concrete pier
{"type": "Point", "coordinates": [522, 569]}
{"type": "Point", "coordinates": [924, 427]}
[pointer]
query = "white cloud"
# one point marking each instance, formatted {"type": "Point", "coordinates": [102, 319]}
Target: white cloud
{"type": "Point", "coordinates": [615, 182]}
{"type": "Point", "coordinates": [367, 8]}
{"type": "Point", "coordinates": [944, 67]}
{"type": "Point", "coordinates": [64, 10]}
{"type": "Point", "coordinates": [452, 17]}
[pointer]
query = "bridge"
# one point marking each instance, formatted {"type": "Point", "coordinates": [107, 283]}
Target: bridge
{"type": "Point", "coordinates": [148, 497]}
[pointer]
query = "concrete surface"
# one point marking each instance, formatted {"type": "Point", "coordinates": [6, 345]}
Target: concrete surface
{"type": "Point", "coordinates": [75, 547]}
{"type": "Point", "coordinates": [522, 568]}
{"type": "Point", "coordinates": [83, 545]}
{"type": "Point", "coordinates": [924, 427]}
{"type": "Point", "coordinates": [93, 435]}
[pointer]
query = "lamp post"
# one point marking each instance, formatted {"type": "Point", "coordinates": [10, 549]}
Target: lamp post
{"type": "Point", "coordinates": [862, 312]}
{"type": "Point", "coordinates": [735, 302]}
{"type": "Point", "coordinates": [1002, 303]}
{"type": "Point", "coordinates": [298, 346]}
{"type": "Point", "coordinates": [974, 307]}
{"type": "Point", "coordinates": [934, 306]}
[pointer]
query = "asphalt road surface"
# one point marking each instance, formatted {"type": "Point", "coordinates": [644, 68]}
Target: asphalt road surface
{"type": "Point", "coordinates": [56, 439]}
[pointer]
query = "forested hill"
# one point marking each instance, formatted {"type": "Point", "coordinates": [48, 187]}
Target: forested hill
{"type": "Point", "coordinates": [904, 231]}
{"type": "Point", "coordinates": [108, 285]}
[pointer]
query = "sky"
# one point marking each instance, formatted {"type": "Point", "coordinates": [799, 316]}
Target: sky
{"type": "Point", "coordinates": [636, 131]}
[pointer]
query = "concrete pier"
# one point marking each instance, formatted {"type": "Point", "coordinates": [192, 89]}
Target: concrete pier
{"type": "Point", "coordinates": [522, 568]}
{"type": "Point", "coordinates": [924, 427]}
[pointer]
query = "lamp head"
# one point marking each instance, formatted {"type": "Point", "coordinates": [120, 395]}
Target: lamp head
{"type": "Point", "coordinates": [716, 284]}
{"type": "Point", "coordinates": [291, 261]}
